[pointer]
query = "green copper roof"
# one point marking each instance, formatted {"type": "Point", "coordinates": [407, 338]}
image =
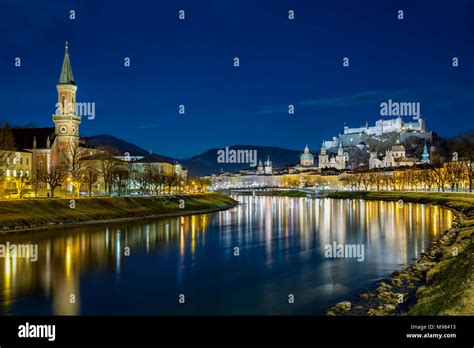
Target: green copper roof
{"type": "Point", "coordinates": [66, 77]}
{"type": "Point", "coordinates": [306, 156]}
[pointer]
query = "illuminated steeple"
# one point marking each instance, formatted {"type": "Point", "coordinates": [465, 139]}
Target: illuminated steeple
{"type": "Point", "coordinates": [66, 119]}
{"type": "Point", "coordinates": [66, 78]}
{"type": "Point", "coordinates": [323, 149]}
{"type": "Point", "coordinates": [425, 157]}
{"type": "Point", "coordinates": [340, 150]}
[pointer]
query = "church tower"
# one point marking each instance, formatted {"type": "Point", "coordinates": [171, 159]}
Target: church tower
{"type": "Point", "coordinates": [340, 158]}
{"type": "Point", "coordinates": [268, 166]}
{"type": "Point", "coordinates": [65, 119]}
{"type": "Point", "coordinates": [323, 157]}
{"type": "Point", "coordinates": [260, 169]}
{"type": "Point", "coordinates": [425, 157]}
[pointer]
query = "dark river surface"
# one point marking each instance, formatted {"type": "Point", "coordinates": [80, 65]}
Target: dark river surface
{"type": "Point", "coordinates": [252, 259]}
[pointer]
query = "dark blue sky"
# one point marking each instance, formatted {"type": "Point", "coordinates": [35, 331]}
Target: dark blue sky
{"type": "Point", "coordinates": [283, 62]}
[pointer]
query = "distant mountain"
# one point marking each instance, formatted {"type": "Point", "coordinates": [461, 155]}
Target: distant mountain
{"type": "Point", "coordinates": [206, 163]}
{"type": "Point", "coordinates": [468, 134]}
{"type": "Point", "coordinates": [122, 146]}
{"type": "Point", "coordinates": [27, 125]}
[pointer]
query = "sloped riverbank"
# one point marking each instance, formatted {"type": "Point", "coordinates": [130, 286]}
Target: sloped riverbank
{"type": "Point", "coordinates": [31, 214]}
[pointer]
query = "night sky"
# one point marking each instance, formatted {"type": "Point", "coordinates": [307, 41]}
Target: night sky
{"type": "Point", "coordinates": [282, 62]}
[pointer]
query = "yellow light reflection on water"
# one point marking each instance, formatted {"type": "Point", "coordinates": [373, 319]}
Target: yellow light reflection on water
{"type": "Point", "coordinates": [8, 277]}
{"type": "Point", "coordinates": [181, 241]}
{"type": "Point", "coordinates": [193, 233]}
{"type": "Point", "coordinates": [68, 259]}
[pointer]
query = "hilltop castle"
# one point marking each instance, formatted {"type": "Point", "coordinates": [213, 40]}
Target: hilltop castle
{"type": "Point", "coordinates": [356, 136]}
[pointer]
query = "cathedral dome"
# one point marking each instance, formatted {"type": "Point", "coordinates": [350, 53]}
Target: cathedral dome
{"type": "Point", "coordinates": [306, 157]}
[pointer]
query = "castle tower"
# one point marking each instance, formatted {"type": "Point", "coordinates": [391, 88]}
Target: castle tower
{"type": "Point", "coordinates": [66, 120]}
{"type": "Point", "coordinates": [399, 124]}
{"type": "Point", "coordinates": [422, 124]}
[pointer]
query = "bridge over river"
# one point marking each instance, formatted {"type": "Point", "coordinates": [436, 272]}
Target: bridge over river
{"type": "Point", "coordinates": [266, 190]}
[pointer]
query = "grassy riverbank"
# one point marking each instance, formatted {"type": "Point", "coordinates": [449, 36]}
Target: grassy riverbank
{"type": "Point", "coordinates": [441, 282]}
{"type": "Point", "coordinates": [286, 193]}
{"type": "Point", "coordinates": [34, 213]}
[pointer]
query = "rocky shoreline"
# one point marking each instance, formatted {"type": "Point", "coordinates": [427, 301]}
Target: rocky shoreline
{"type": "Point", "coordinates": [398, 293]}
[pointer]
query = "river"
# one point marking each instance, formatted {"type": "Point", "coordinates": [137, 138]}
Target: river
{"type": "Point", "coordinates": [267, 256]}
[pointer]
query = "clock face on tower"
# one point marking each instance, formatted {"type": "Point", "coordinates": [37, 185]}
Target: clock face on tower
{"type": "Point", "coordinates": [63, 129]}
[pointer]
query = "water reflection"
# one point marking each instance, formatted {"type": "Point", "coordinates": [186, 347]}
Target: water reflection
{"type": "Point", "coordinates": [281, 241]}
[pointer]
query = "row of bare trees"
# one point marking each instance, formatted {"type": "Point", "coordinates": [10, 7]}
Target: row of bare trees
{"type": "Point", "coordinates": [78, 169]}
{"type": "Point", "coordinates": [85, 170]}
{"type": "Point", "coordinates": [454, 172]}
{"type": "Point", "coordinates": [100, 171]}
{"type": "Point", "coordinates": [150, 178]}
{"type": "Point", "coordinates": [74, 170]}
{"type": "Point", "coordinates": [452, 176]}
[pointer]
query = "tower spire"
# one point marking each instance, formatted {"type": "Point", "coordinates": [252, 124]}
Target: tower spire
{"type": "Point", "coordinates": [66, 77]}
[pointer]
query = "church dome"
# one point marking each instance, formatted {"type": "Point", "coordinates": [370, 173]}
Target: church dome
{"type": "Point", "coordinates": [306, 157]}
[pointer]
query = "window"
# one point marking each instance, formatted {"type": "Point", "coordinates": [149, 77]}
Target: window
{"type": "Point", "coordinates": [41, 166]}
{"type": "Point", "coordinates": [27, 161]}
{"type": "Point", "coordinates": [21, 161]}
